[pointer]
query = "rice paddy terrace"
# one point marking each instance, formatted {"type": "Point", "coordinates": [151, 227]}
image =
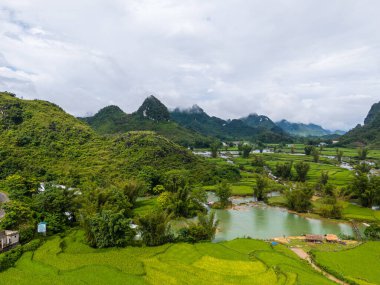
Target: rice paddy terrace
{"type": "Point", "coordinates": [241, 261]}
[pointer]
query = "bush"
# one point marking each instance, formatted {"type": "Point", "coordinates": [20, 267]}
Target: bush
{"type": "Point", "coordinates": [9, 258]}
{"type": "Point", "coordinates": [284, 170]}
{"type": "Point", "coordinates": [298, 199]}
{"type": "Point", "coordinates": [223, 191]}
{"type": "Point", "coordinates": [155, 228]}
{"type": "Point", "coordinates": [372, 232]}
{"type": "Point", "coordinates": [202, 230]}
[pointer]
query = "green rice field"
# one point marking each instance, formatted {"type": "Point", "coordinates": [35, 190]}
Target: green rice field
{"type": "Point", "coordinates": [242, 261]}
{"type": "Point", "coordinates": [359, 265]}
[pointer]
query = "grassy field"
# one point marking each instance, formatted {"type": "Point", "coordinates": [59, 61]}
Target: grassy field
{"type": "Point", "coordinates": [355, 212]}
{"type": "Point", "coordinates": [69, 261]}
{"type": "Point", "coordinates": [360, 264]}
{"type": "Point", "coordinates": [337, 176]}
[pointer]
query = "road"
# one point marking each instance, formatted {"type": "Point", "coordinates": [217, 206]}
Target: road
{"type": "Point", "coordinates": [3, 198]}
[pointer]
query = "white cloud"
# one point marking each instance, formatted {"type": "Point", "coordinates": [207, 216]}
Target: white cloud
{"type": "Point", "coordinates": [310, 61]}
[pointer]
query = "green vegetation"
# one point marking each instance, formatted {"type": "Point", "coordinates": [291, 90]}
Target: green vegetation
{"type": "Point", "coordinates": [39, 140]}
{"type": "Point", "coordinates": [41, 143]}
{"type": "Point", "coordinates": [304, 130]}
{"type": "Point", "coordinates": [223, 192]}
{"type": "Point", "coordinates": [299, 198]}
{"type": "Point", "coordinates": [68, 260]}
{"type": "Point", "coordinates": [358, 265]}
{"type": "Point", "coordinates": [151, 116]}
{"type": "Point", "coordinates": [243, 129]}
{"type": "Point", "coordinates": [368, 134]}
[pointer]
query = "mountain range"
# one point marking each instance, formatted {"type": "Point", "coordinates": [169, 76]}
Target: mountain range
{"type": "Point", "coordinates": [188, 127]}
{"type": "Point", "coordinates": [306, 130]}
{"type": "Point", "coordinates": [367, 134]}
{"type": "Point", "coordinates": [151, 116]}
{"type": "Point", "coordinates": [38, 139]}
{"type": "Point", "coordinates": [194, 127]}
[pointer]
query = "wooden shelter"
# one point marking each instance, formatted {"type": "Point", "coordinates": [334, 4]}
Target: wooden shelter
{"type": "Point", "coordinates": [314, 238]}
{"type": "Point", "coordinates": [332, 238]}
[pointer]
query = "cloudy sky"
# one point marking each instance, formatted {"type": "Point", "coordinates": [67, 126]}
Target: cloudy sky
{"type": "Point", "coordinates": [302, 60]}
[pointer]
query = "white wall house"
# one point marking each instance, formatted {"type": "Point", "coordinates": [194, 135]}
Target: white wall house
{"type": "Point", "coordinates": [8, 238]}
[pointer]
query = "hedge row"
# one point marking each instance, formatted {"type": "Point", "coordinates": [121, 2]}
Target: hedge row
{"type": "Point", "coordinates": [9, 258]}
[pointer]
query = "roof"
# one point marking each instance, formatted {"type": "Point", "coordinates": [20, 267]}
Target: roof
{"type": "Point", "coordinates": [314, 237]}
{"type": "Point", "coordinates": [331, 237]}
{"type": "Point", "coordinates": [8, 233]}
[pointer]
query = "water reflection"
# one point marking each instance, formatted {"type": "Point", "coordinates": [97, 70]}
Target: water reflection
{"type": "Point", "coordinates": [264, 222]}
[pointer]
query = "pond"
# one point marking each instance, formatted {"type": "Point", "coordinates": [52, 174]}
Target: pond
{"type": "Point", "coordinates": [257, 220]}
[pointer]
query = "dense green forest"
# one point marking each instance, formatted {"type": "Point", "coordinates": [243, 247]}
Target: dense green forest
{"type": "Point", "coordinates": [367, 134]}
{"type": "Point", "coordinates": [305, 130]}
{"type": "Point", "coordinates": [151, 116]}
{"type": "Point", "coordinates": [39, 139]}
{"type": "Point", "coordinates": [238, 129]}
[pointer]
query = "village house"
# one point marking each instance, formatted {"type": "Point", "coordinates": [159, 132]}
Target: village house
{"type": "Point", "coordinates": [8, 239]}
{"type": "Point", "coordinates": [332, 238]}
{"type": "Point", "coordinates": [314, 238]}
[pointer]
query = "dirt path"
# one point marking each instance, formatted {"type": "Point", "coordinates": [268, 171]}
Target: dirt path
{"type": "Point", "coordinates": [305, 256]}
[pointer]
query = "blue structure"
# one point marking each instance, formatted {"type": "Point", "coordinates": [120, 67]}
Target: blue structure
{"type": "Point", "coordinates": [41, 228]}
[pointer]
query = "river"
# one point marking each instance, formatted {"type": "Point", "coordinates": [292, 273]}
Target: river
{"type": "Point", "coordinates": [260, 221]}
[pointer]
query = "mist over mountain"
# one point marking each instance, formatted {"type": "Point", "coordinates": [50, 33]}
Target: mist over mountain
{"type": "Point", "coordinates": [305, 130]}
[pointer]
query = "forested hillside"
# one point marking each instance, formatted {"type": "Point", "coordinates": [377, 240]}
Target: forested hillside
{"type": "Point", "coordinates": [305, 130]}
{"type": "Point", "coordinates": [238, 129]}
{"type": "Point", "coordinates": [151, 116]}
{"type": "Point", "coordinates": [367, 134]}
{"type": "Point", "coordinates": [40, 140]}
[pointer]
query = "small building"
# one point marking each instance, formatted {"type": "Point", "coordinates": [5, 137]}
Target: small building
{"type": "Point", "coordinates": [332, 238]}
{"type": "Point", "coordinates": [8, 239]}
{"type": "Point", "coordinates": [314, 238]}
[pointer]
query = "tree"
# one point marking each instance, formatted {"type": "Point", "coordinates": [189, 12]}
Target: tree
{"type": "Point", "coordinates": [284, 170]}
{"type": "Point", "coordinates": [175, 179]}
{"type": "Point", "coordinates": [339, 155]}
{"type": "Point", "coordinates": [164, 200]}
{"type": "Point", "coordinates": [20, 187]}
{"type": "Point", "coordinates": [202, 230]}
{"type": "Point", "coordinates": [214, 147]}
{"type": "Point", "coordinates": [331, 208]}
{"type": "Point", "coordinates": [55, 205]}
{"type": "Point", "coordinates": [308, 149]}
{"type": "Point", "coordinates": [367, 189]}
{"type": "Point", "coordinates": [261, 146]}
{"type": "Point", "coordinates": [299, 198]}
{"type": "Point", "coordinates": [133, 189]}
{"type": "Point", "coordinates": [362, 153]}
{"type": "Point", "coordinates": [150, 176]}
{"type": "Point", "coordinates": [223, 191]}
{"type": "Point", "coordinates": [158, 189]}
{"type": "Point", "coordinates": [109, 229]}
{"type": "Point", "coordinates": [246, 150]}
{"type": "Point", "coordinates": [363, 167]}
{"type": "Point", "coordinates": [324, 178]}
{"type": "Point", "coordinates": [315, 153]}
{"type": "Point", "coordinates": [302, 168]}
{"type": "Point", "coordinates": [19, 216]}
{"type": "Point", "coordinates": [372, 232]}
{"type": "Point", "coordinates": [186, 202]}
{"type": "Point", "coordinates": [155, 228]}
{"type": "Point", "coordinates": [259, 190]}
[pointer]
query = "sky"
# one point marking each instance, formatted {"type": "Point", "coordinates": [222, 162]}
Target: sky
{"type": "Point", "coordinates": [301, 60]}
